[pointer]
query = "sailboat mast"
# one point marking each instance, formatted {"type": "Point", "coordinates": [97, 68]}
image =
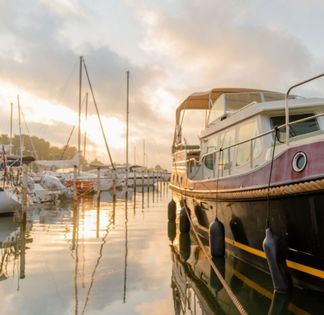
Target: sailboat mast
{"type": "Point", "coordinates": [20, 135]}
{"type": "Point", "coordinates": [127, 114]}
{"type": "Point", "coordinates": [85, 131]}
{"type": "Point", "coordinates": [11, 116]}
{"type": "Point", "coordinates": [79, 115]}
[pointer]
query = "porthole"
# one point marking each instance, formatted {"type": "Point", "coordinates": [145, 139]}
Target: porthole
{"type": "Point", "coordinates": [299, 161]}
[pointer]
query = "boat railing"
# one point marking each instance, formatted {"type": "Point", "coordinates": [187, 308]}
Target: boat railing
{"type": "Point", "coordinates": [286, 102]}
{"type": "Point", "coordinates": [223, 154]}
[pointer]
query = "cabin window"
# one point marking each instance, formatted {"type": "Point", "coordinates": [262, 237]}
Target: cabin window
{"type": "Point", "coordinates": [217, 110]}
{"type": "Point", "coordinates": [298, 129]}
{"type": "Point", "coordinates": [235, 101]}
{"type": "Point", "coordinates": [227, 139]}
{"type": "Point", "coordinates": [247, 131]}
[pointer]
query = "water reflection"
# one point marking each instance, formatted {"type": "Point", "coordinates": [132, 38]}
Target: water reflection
{"type": "Point", "coordinates": [91, 257]}
{"type": "Point", "coordinates": [101, 256]}
{"type": "Point", "coordinates": [13, 239]}
{"type": "Point", "coordinates": [197, 290]}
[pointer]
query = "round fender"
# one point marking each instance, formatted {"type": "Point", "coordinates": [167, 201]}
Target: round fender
{"type": "Point", "coordinates": [184, 221]}
{"type": "Point", "coordinates": [217, 239]}
{"type": "Point", "coordinates": [172, 207]}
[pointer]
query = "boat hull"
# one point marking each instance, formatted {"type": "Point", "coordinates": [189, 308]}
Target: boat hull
{"type": "Point", "coordinates": [299, 218]}
{"type": "Point", "coordinates": [8, 203]}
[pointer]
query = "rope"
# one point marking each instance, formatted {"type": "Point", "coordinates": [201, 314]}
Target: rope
{"type": "Point", "coordinates": [270, 175]}
{"type": "Point", "coordinates": [228, 290]}
{"type": "Point", "coordinates": [67, 144]}
{"type": "Point", "coordinates": [97, 110]}
{"type": "Point", "coordinates": [291, 189]}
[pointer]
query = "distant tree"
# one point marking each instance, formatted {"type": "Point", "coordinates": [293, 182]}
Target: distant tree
{"type": "Point", "coordinates": [158, 168]}
{"type": "Point", "coordinates": [96, 162]}
{"type": "Point", "coordinates": [43, 148]}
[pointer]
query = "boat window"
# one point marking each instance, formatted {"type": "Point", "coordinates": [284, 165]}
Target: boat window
{"type": "Point", "coordinates": [296, 129]}
{"type": "Point", "coordinates": [235, 101]}
{"type": "Point", "coordinates": [247, 131]}
{"type": "Point", "coordinates": [269, 96]}
{"type": "Point", "coordinates": [273, 96]}
{"type": "Point", "coordinates": [227, 139]}
{"type": "Point", "coordinates": [217, 110]}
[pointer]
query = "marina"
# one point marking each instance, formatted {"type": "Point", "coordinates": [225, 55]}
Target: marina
{"type": "Point", "coordinates": [161, 157]}
{"type": "Point", "coordinates": [101, 257]}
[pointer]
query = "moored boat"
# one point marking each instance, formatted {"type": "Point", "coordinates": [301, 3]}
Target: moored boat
{"type": "Point", "coordinates": [250, 173]}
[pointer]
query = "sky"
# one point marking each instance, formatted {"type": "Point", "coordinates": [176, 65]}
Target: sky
{"type": "Point", "coordinates": [172, 48]}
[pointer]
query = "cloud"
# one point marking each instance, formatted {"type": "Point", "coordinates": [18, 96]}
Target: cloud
{"type": "Point", "coordinates": [171, 48]}
{"type": "Point", "coordinates": [41, 59]}
{"type": "Point", "coordinates": [63, 7]}
{"type": "Point", "coordinates": [222, 44]}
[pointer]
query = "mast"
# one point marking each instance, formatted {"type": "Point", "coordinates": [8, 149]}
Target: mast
{"type": "Point", "coordinates": [79, 115]}
{"type": "Point", "coordinates": [85, 131]}
{"type": "Point", "coordinates": [97, 110]}
{"type": "Point", "coordinates": [10, 144]}
{"type": "Point", "coordinates": [127, 114]}
{"type": "Point", "coordinates": [20, 136]}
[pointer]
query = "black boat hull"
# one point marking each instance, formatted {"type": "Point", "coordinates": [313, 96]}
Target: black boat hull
{"type": "Point", "coordinates": [299, 218]}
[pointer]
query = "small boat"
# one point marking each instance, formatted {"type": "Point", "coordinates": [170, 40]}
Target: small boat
{"type": "Point", "coordinates": [258, 166]}
{"type": "Point", "coordinates": [46, 189]}
{"type": "Point", "coordinates": [9, 201]}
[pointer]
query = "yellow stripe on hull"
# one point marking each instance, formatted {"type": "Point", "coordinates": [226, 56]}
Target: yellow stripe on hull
{"type": "Point", "coordinates": [291, 264]}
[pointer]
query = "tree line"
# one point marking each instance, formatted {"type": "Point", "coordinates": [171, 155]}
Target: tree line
{"type": "Point", "coordinates": [45, 151]}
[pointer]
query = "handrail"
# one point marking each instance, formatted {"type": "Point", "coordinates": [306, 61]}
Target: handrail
{"type": "Point", "coordinates": [260, 135]}
{"type": "Point", "coordinates": [286, 102]}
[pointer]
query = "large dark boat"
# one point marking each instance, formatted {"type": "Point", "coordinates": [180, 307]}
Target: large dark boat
{"type": "Point", "coordinates": [197, 290]}
{"type": "Point", "coordinates": [250, 173]}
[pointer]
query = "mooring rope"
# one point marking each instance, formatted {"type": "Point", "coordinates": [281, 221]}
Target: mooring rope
{"type": "Point", "coordinates": [228, 290]}
{"type": "Point", "coordinates": [270, 175]}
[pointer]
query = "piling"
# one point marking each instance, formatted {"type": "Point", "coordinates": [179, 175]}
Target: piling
{"type": "Point", "coordinates": [98, 182]}
{"type": "Point", "coordinates": [23, 218]}
{"type": "Point", "coordinates": [153, 187]}
{"type": "Point", "coordinates": [24, 198]}
{"type": "Point", "coordinates": [114, 188]}
{"type": "Point", "coordinates": [114, 211]}
{"type": "Point", "coordinates": [134, 188]}
{"type": "Point", "coordinates": [161, 184]}
{"type": "Point", "coordinates": [148, 187]}
{"type": "Point", "coordinates": [22, 246]}
{"type": "Point", "coordinates": [98, 214]}
{"type": "Point", "coordinates": [143, 189]}
{"type": "Point", "coordinates": [134, 182]}
{"type": "Point", "coordinates": [75, 192]}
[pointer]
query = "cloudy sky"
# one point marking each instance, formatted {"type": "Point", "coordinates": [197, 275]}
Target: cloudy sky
{"type": "Point", "coordinates": [172, 48]}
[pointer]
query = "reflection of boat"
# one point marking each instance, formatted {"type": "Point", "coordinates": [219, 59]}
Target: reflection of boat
{"type": "Point", "coordinates": [242, 159]}
{"type": "Point", "coordinates": [195, 286]}
{"type": "Point", "coordinates": [8, 230]}
{"type": "Point", "coordinates": [13, 241]}
{"type": "Point", "coordinates": [9, 201]}
{"type": "Point", "coordinates": [107, 196]}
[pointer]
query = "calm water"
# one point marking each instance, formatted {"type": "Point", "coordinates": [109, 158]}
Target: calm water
{"type": "Point", "coordinates": [123, 258]}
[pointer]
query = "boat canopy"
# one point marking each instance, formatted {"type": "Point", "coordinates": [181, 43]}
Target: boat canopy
{"type": "Point", "coordinates": [204, 100]}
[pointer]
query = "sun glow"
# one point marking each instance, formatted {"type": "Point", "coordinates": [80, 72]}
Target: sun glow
{"type": "Point", "coordinates": [44, 112]}
{"type": "Point", "coordinates": [113, 128]}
